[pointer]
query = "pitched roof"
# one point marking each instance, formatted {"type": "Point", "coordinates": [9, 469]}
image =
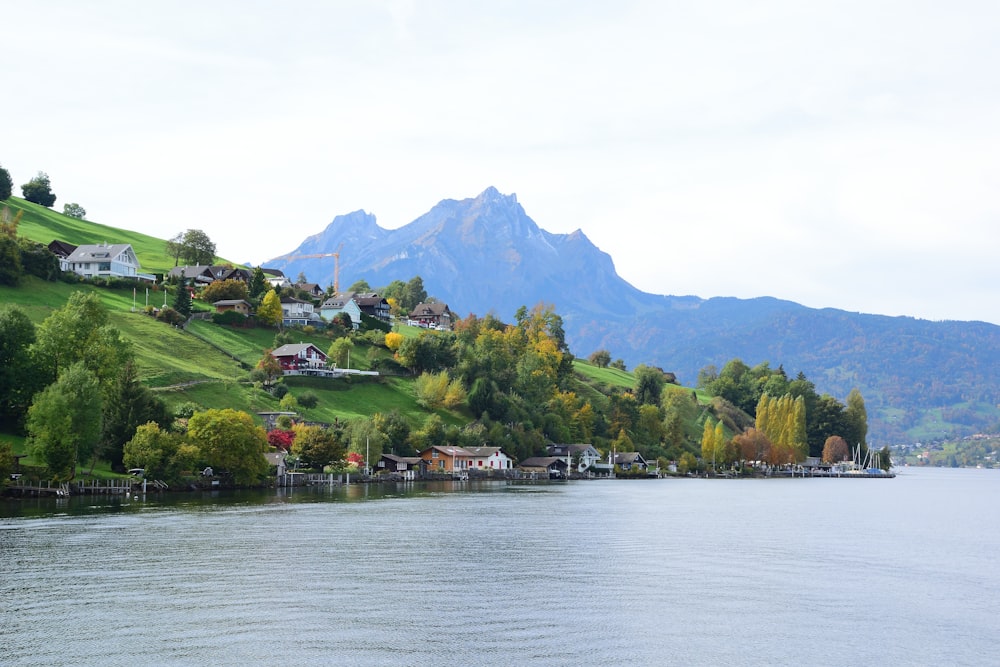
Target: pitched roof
{"type": "Point", "coordinates": [628, 457]}
{"type": "Point", "coordinates": [449, 450]}
{"type": "Point", "coordinates": [272, 272]}
{"type": "Point", "coordinates": [230, 302]}
{"type": "Point", "coordinates": [542, 462]}
{"type": "Point", "coordinates": [412, 460]}
{"type": "Point", "coordinates": [425, 309]}
{"type": "Point", "coordinates": [482, 452]}
{"type": "Point", "coordinates": [294, 349]}
{"type": "Point", "coordinates": [95, 253]}
{"type": "Point", "coordinates": [61, 248]}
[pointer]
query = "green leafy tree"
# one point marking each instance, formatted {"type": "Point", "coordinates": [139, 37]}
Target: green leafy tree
{"type": "Point", "coordinates": [129, 404]}
{"type": "Point", "coordinates": [39, 190]}
{"type": "Point", "coordinates": [269, 311]}
{"type": "Point", "coordinates": [395, 429]}
{"type": "Point", "coordinates": [318, 447]}
{"type": "Point", "coordinates": [175, 247]}
{"type": "Point", "coordinates": [415, 294]}
{"type": "Point", "coordinates": [153, 449]}
{"type": "Point", "coordinates": [11, 270]}
{"type": "Point", "coordinates": [856, 418]}
{"type": "Point", "coordinates": [64, 421]}
{"type": "Point", "coordinates": [339, 353]}
{"type": "Point", "coordinates": [196, 248]}
{"type": "Point", "coordinates": [80, 331]}
{"type": "Point", "coordinates": [37, 260]}
{"type": "Point", "coordinates": [74, 210]}
{"type": "Point", "coordinates": [600, 358]}
{"type": "Point", "coordinates": [360, 286]}
{"type": "Point", "coordinates": [6, 184]}
{"type": "Point", "coordinates": [225, 289]}
{"type": "Point", "coordinates": [182, 300]}
{"type": "Point", "coordinates": [229, 440]}
{"type": "Point", "coordinates": [19, 379]}
{"type": "Point", "coordinates": [649, 383]}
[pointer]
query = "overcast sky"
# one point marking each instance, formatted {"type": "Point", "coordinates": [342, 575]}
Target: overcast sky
{"type": "Point", "coordinates": [838, 154]}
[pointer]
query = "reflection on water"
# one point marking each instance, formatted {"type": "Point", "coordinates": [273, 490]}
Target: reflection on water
{"type": "Point", "coordinates": [705, 572]}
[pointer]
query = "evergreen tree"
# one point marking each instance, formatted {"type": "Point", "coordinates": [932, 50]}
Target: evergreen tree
{"type": "Point", "coordinates": [258, 285]}
{"type": "Point", "coordinates": [182, 300]}
{"type": "Point", "coordinates": [129, 405]}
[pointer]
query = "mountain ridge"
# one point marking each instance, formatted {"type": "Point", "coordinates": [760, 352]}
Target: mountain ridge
{"type": "Point", "coordinates": [486, 254]}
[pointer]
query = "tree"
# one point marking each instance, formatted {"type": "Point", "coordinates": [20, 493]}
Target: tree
{"type": "Point", "coordinates": [835, 449]}
{"type": "Point", "coordinates": [196, 248]}
{"type": "Point", "coordinates": [225, 289]}
{"type": "Point", "coordinates": [318, 447]}
{"type": "Point", "coordinates": [270, 366]}
{"type": "Point", "coordinates": [129, 405]}
{"type": "Point", "coordinates": [752, 445]}
{"type": "Point", "coordinates": [64, 421]}
{"type": "Point", "coordinates": [182, 299]}
{"type": "Point", "coordinates": [79, 331]}
{"type": "Point", "coordinates": [269, 311]}
{"type": "Point", "coordinates": [393, 340]}
{"type": "Point", "coordinates": [339, 353]}
{"type": "Point", "coordinates": [258, 285]}
{"type": "Point", "coordinates": [74, 210]}
{"type": "Point", "coordinates": [19, 379]}
{"type": "Point", "coordinates": [649, 383]}
{"type": "Point", "coordinates": [11, 269]}
{"type": "Point", "coordinates": [395, 430]}
{"type": "Point", "coordinates": [415, 294]}
{"type": "Point", "coordinates": [152, 449]}
{"type": "Point", "coordinates": [39, 190]}
{"type": "Point", "coordinates": [229, 440]}
{"type": "Point", "coordinates": [279, 438]}
{"type": "Point", "coordinates": [600, 358]}
{"type": "Point", "coordinates": [6, 184]}
{"type": "Point", "coordinates": [360, 286]}
{"type": "Point", "coordinates": [856, 416]}
{"type": "Point", "coordinates": [175, 247]}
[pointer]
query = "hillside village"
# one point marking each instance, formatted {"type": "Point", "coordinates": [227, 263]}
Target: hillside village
{"type": "Point", "coordinates": [479, 396]}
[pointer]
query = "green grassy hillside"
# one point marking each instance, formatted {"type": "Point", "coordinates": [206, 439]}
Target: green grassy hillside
{"type": "Point", "coordinates": [44, 225]}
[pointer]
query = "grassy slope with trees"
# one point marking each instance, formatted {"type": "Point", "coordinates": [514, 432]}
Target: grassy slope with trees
{"type": "Point", "coordinates": [517, 385]}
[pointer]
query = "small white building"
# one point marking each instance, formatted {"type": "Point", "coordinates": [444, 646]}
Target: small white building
{"type": "Point", "coordinates": [482, 458]}
{"type": "Point", "coordinates": [297, 312]}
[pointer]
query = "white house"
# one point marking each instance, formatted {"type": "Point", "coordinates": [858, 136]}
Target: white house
{"type": "Point", "coordinates": [297, 312]}
{"type": "Point", "coordinates": [106, 261]}
{"type": "Point", "coordinates": [341, 303]}
{"type": "Point", "coordinates": [482, 458]}
{"type": "Point", "coordinates": [584, 455]}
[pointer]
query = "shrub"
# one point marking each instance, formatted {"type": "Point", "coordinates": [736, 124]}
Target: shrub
{"type": "Point", "coordinates": [279, 391]}
{"type": "Point", "coordinates": [308, 399]}
{"type": "Point", "coordinates": [230, 318]}
{"type": "Point", "coordinates": [186, 410]}
{"type": "Point", "coordinates": [170, 316]}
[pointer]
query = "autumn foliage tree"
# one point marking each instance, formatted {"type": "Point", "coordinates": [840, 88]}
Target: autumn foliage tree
{"type": "Point", "coordinates": [224, 289]}
{"type": "Point", "coordinates": [835, 449]}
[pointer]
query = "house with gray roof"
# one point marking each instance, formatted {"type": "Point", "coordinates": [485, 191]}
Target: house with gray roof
{"type": "Point", "coordinates": [104, 260]}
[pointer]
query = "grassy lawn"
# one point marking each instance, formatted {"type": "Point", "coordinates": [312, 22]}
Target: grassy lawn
{"type": "Point", "coordinates": [611, 377]}
{"type": "Point", "coordinates": [43, 225]}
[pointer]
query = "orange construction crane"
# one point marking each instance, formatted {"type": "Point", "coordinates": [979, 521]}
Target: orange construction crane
{"type": "Point", "coordinates": [336, 263]}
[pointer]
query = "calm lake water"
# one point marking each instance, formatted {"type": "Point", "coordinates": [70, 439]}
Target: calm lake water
{"type": "Point", "coordinates": [679, 572]}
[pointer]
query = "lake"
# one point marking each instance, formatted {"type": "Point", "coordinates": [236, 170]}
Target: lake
{"type": "Point", "coordinates": [650, 572]}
